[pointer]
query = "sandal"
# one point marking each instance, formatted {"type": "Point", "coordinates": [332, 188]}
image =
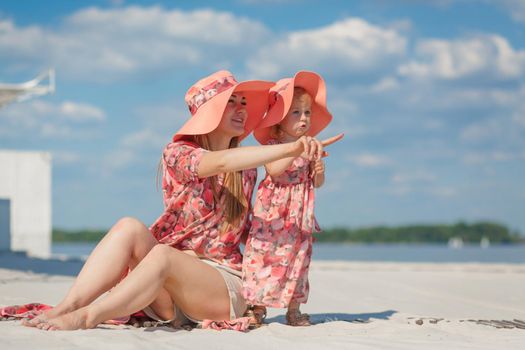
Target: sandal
{"type": "Point", "coordinates": [295, 318]}
{"type": "Point", "coordinates": [257, 315]}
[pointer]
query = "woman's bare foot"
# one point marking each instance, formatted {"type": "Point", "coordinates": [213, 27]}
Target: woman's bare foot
{"type": "Point", "coordinates": [35, 321]}
{"type": "Point", "coordinates": [67, 322]}
{"type": "Point", "coordinates": [46, 315]}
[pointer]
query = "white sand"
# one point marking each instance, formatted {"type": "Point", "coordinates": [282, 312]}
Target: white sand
{"type": "Point", "coordinates": [388, 297]}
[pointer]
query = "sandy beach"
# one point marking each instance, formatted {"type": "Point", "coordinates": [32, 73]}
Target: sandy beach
{"type": "Point", "coordinates": [354, 306]}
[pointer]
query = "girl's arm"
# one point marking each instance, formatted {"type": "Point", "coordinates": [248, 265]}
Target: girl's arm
{"type": "Point", "coordinates": [241, 158]}
{"type": "Point", "coordinates": [278, 167]}
{"type": "Point", "coordinates": [317, 168]}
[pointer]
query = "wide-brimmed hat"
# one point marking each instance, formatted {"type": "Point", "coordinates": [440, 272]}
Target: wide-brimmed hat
{"type": "Point", "coordinates": [280, 100]}
{"type": "Point", "coordinates": [208, 98]}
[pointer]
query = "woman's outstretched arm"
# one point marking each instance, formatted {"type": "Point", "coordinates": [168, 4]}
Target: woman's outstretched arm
{"type": "Point", "coordinates": [240, 158]}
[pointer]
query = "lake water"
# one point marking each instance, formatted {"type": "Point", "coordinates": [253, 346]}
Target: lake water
{"type": "Point", "coordinates": [376, 252]}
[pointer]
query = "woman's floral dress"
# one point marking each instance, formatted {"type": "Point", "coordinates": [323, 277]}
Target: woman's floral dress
{"type": "Point", "coordinates": [191, 218]}
{"type": "Point", "coordinates": [279, 245]}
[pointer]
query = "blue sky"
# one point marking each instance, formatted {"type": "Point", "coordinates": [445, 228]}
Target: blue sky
{"type": "Point", "coordinates": [431, 96]}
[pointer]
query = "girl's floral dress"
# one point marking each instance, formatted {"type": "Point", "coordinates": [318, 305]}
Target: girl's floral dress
{"type": "Point", "coordinates": [191, 218]}
{"type": "Point", "coordinates": [279, 245]}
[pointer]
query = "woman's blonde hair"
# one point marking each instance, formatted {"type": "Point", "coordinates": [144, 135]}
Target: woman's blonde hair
{"type": "Point", "coordinates": [235, 201]}
{"type": "Point", "coordinates": [300, 94]}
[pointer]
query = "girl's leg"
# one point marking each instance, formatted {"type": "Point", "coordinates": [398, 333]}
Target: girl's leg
{"type": "Point", "coordinates": [257, 314]}
{"type": "Point", "coordinates": [195, 287]}
{"type": "Point", "coordinates": [123, 247]}
{"type": "Point", "coordinates": [294, 317]}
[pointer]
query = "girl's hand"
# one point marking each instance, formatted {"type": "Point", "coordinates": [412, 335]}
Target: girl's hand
{"type": "Point", "coordinates": [319, 166]}
{"type": "Point", "coordinates": [311, 147]}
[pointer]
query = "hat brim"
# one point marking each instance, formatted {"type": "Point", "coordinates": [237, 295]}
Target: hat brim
{"type": "Point", "coordinates": [209, 115]}
{"type": "Point", "coordinates": [321, 117]}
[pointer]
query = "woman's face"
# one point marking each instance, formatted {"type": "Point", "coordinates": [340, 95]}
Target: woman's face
{"type": "Point", "coordinates": [234, 116]}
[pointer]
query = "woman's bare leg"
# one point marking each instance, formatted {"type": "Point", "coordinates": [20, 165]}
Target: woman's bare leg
{"type": "Point", "coordinates": [197, 288]}
{"type": "Point", "coordinates": [123, 247]}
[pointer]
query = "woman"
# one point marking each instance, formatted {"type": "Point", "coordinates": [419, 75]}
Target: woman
{"type": "Point", "coordinates": [207, 183]}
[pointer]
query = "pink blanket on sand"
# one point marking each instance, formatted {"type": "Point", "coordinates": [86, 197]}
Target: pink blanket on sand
{"type": "Point", "coordinates": [32, 310]}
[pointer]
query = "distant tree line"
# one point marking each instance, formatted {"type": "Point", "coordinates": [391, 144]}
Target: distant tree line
{"type": "Point", "coordinates": [60, 235]}
{"type": "Point", "coordinates": [469, 233]}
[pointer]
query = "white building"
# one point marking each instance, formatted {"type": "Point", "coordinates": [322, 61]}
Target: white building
{"type": "Point", "coordinates": [25, 202]}
{"type": "Point", "coordinates": [25, 183]}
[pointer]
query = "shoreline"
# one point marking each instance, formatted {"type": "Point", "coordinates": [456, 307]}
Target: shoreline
{"type": "Point", "coordinates": [417, 266]}
{"type": "Point", "coordinates": [426, 253]}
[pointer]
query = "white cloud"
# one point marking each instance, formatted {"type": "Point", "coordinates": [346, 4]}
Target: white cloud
{"type": "Point", "coordinates": [143, 138]}
{"type": "Point", "coordinates": [21, 43]}
{"type": "Point", "coordinates": [477, 158]}
{"type": "Point", "coordinates": [516, 8]}
{"type": "Point", "coordinates": [457, 98]}
{"type": "Point", "coordinates": [106, 44]}
{"type": "Point", "coordinates": [482, 131]}
{"type": "Point", "coordinates": [48, 130]}
{"type": "Point", "coordinates": [336, 181]}
{"type": "Point", "coordinates": [518, 115]}
{"type": "Point", "coordinates": [519, 118]}
{"type": "Point", "coordinates": [344, 111]}
{"type": "Point", "coordinates": [399, 190]}
{"type": "Point", "coordinates": [405, 190]}
{"type": "Point", "coordinates": [419, 182]}
{"type": "Point", "coordinates": [266, 2]}
{"type": "Point", "coordinates": [443, 191]}
{"type": "Point", "coordinates": [351, 45]}
{"type": "Point", "coordinates": [81, 112]}
{"type": "Point", "coordinates": [65, 157]}
{"type": "Point", "coordinates": [50, 120]}
{"type": "Point", "coordinates": [433, 124]}
{"type": "Point", "coordinates": [465, 57]}
{"type": "Point", "coordinates": [504, 128]}
{"type": "Point", "coordinates": [368, 160]}
{"type": "Point", "coordinates": [116, 160]}
{"type": "Point", "coordinates": [420, 176]}
{"type": "Point", "coordinates": [385, 84]}
{"type": "Point", "coordinates": [132, 149]}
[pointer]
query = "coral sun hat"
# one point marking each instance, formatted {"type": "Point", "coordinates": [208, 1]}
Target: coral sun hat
{"type": "Point", "coordinates": [208, 98]}
{"type": "Point", "coordinates": [280, 99]}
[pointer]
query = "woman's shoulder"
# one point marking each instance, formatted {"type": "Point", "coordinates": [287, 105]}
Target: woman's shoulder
{"type": "Point", "coordinates": [181, 148]}
{"type": "Point", "coordinates": [182, 144]}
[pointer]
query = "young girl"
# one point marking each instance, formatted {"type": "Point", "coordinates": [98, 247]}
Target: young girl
{"type": "Point", "coordinates": [279, 245]}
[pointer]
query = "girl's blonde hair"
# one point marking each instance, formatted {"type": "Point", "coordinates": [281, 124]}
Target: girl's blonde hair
{"type": "Point", "coordinates": [235, 201]}
{"type": "Point", "coordinates": [300, 94]}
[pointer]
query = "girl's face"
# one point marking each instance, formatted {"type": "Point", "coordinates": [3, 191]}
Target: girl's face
{"type": "Point", "coordinates": [234, 116]}
{"type": "Point", "coordinates": [297, 122]}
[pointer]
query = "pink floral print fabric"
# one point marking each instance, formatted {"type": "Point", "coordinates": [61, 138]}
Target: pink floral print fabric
{"type": "Point", "coordinates": [191, 218]}
{"type": "Point", "coordinates": [279, 245]}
